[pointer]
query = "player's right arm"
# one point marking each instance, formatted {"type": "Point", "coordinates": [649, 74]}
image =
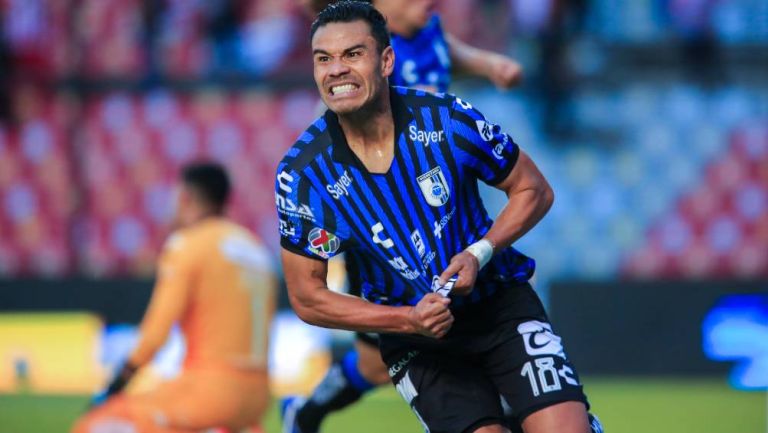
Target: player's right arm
{"type": "Point", "coordinates": [314, 303]}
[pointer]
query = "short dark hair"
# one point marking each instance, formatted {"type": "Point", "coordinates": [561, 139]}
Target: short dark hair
{"type": "Point", "coordinates": [318, 5]}
{"type": "Point", "coordinates": [210, 181]}
{"type": "Point", "coordinates": [347, 11]}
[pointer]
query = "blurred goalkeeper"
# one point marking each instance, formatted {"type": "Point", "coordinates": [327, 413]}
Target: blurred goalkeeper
{"type": "Point", "coordinates": [216, 280]}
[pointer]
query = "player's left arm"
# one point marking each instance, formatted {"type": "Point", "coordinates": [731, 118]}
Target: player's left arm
{"type": "Point", "coordinates": [501, 70]}
{"type": "Point", "coordinates": [529, 198]}
{"type": "Point", "coordinates": [492, 156]}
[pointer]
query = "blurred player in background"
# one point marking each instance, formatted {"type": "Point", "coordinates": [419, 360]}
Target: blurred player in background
{"type": "Point", "coordinates": [426, 55]}
{"type": "Point", "coordinates": [216, 280]}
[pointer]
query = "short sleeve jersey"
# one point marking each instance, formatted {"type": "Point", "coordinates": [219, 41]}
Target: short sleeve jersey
{"type": "Point", "coordinates": [401, 227]}
{"type": "Point", "coordinates": [422, 60]}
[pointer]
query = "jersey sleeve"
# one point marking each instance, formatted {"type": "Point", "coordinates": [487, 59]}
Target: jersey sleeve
{"type": "Point", "coordinates": [308, 226]}
{"type": "Point", "coordinates": [488, 152]}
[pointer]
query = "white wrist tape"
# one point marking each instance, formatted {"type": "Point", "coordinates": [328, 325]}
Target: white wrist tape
{"type": "Point", "coordinates": [483, 250]}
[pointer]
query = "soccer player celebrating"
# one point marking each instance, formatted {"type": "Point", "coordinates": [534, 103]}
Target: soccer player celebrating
{"type": "Point", "coordinates": [216, 280]}
{"type": "Point", "coordinates": [425, 58]}
{"type": "Point", "coordinates": [390, 176]}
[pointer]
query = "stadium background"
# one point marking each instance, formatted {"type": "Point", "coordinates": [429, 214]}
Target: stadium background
{"type": "Point", "coordinates": [649, 117]}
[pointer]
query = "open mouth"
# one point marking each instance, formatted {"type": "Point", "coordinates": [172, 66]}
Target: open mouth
{"type": "Point", "coordinates": [342, 89]}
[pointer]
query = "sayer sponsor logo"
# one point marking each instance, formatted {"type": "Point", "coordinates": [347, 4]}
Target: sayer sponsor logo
{"type": "Point", "coordinates": [426, 137]}
{"type": "Point", "coordinates": [434, 187]}
{"type": "Point", "coordinates": [377, 229]}
{"type": "Point", "coordinates": [323, 242]}
{"type": "Point", "coordinates": [341, 187]}
{"type": "Point", "coordinates": [485, 129]}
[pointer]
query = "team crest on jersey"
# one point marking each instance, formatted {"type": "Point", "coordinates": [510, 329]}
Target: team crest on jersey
{"type": "Point", "coordinates": [434, 187]}
{"type": "Point", "coordinates": [322, 242]}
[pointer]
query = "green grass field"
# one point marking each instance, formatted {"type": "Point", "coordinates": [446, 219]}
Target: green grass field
{"type": "Point", "coordinates": [624, 405]}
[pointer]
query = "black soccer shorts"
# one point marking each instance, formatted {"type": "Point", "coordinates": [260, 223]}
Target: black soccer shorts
{"type": "Point", "coordinates": [503, 345]}
{"type": "Point", "coordinates": [369, 338]}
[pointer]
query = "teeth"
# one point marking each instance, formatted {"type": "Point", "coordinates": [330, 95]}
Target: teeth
{"type": "Point", "coordinates": [342, 89]}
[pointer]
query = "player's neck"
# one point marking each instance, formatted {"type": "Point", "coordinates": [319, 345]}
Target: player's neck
{"type": "Point", "coordinates": [370, 134]}
{"type": "Point", "coordinates": [197, 216]}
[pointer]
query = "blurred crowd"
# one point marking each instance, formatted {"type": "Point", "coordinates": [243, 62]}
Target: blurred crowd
{"type": "Point", "coordinates": [662, 175]}
{"type": "Point", "coordinates": [139, 39]}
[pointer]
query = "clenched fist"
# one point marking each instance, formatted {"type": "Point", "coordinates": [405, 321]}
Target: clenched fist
{"type": "Point", "coordinates": [504, 72]}
{"type": "Point", "coordinates": [431, 316]}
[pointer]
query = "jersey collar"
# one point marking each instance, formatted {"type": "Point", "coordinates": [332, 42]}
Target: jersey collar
{"type": "Point", "coordinates": [342, 153]}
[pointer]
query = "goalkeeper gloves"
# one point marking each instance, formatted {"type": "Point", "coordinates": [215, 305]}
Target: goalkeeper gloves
{"type": "Point", "coordinates": [117, 384]}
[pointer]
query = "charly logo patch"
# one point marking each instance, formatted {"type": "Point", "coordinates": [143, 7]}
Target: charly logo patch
{"type": "Point", "coordinates": [377, 237]}
{"type": "Point", "coordinates": [434, 187]}
{"type": "Point", "coordinates": [539, 339]}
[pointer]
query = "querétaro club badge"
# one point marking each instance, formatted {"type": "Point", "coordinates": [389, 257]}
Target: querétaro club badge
{"type": "Point", "coordinates": [434, 187]}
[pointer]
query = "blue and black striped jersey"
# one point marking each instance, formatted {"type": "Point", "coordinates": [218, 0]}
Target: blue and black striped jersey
{"type": "Point", "coordinates": [422, 60]}
{"type": "Point", "coordinates": [402, 227]}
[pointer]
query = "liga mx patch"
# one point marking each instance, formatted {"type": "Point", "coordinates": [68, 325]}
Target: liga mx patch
{"type": "Point", "coordinates": [434, 187]}
{"type": "Point", "coordinates": [322, 242]}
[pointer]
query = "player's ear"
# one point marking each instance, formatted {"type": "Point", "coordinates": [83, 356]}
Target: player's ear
{"type": "Point", "coordinates": [387, 61]}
